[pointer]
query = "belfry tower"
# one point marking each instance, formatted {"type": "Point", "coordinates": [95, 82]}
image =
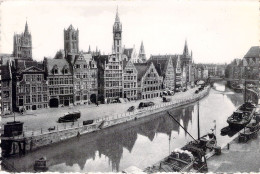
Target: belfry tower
{"type": "Point", "coordinates": [71, 40]}
{"type": "Point", "coordinates": [117, 37]}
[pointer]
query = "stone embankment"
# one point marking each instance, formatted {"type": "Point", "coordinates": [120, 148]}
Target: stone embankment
{"type": "Point", "coordinates": [38, 140]}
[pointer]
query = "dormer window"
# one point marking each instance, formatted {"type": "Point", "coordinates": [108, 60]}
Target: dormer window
{"type": "Point", "coordinates": [65, 70]}
{"type": "Point", "coordinates": [55, 69]}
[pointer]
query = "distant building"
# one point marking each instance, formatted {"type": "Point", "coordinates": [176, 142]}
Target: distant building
{"type": "Point", "coordinates": [178, 74]}
{"type": "Point", "coordinates": [23, 45]}
{"type": "Point", "coordinates": [129, 54]}
{"type": "Point", "coordinates": [71, 40]}
{"type": "Point", "coordinates": [142, 55]}
{"type": "Point", "coordinates": [6, 89]}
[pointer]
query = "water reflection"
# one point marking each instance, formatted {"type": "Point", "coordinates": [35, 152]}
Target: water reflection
{"type": "Point", "coordinates": [109, 142]}
{"type": "Point", "coordinates": [140, 143]}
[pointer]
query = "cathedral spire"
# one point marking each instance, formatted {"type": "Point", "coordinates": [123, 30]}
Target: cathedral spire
{"type": "Point", "coordinates": [142, 48]}
{"type": "Point", "coordinates": [89, 50]}
{"type": "Point", "coordinates": [117, 16]}
{"type": "Point", "coordinates": [26, 27]}
{"type": "Point", "coordinates": [142, 55]}
{"type": "Point", "coordinates": [186, 50]}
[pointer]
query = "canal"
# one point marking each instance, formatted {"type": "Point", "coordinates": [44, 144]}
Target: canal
{"type": "Point", "coordinates": [139, 143]}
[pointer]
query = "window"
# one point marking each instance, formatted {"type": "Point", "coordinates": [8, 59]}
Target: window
{"type": "Point", "coordinates": [66, 71]}
{"type": "Point", "coordinates": [51, 90]}
{"type": "Point", "coordinates": [85, 66]}
{"type": "Point", "coordinates": [45, 97]}
{"type": "Point", "coordinates": [27, 88]}
{"type": "Point", "coordinates": [55, 70]}
{"type": "Point", "coordinates": [33, 98]}
{"type": "Point", "coordinates": [45, 88]}
{"type": "Point", "coordinates": [56, 81]}
{"type": "Point", "coordinates": [71, 89]}
{"type": "Point", "coordinates": [28, 99]}
{"type": "Point", "coordinates": [61, 90]}
{"type": "Point", "coordinates": [78, 75]}
{"type": "Point", "coordinates": [27, 78]}
{"type": "Point", "coordinates": [56, 90]}
{"type": "Point", "coordinates": [39, 98]}
{"type": "Point", "coordinates": [61, 81]}
{"type": "Point", "coordinates": [77, 98]}
{"type": "Point", "coordinates": [33, 78]}
{"type": "Point", "coordinates": [66, 81]}
{"type": "Point", "coordinates": [33, 89]}
{"type": "Point", "coordinates": [77, 66]}
{"type": "Point", "coordinates": [50, 81]}
{"type": "Point", "coordinates": [39, 88]}
{"type": "Point", "coordinates": [39, 77]}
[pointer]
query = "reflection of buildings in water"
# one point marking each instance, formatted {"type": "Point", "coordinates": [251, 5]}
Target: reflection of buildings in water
{"type": "Point", "coordinates": [108, 142]}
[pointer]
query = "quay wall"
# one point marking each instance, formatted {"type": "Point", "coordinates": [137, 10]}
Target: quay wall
{"type": "Point", "coordinates": [37, 140]}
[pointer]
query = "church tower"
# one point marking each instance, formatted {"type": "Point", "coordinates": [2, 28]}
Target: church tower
{"type": "Point", "coordinates": [71, 40]}
{"type": "Point", "coordinates": [117, 37]}
{"type": "Point", "coordinates": [23, 44]}
{"type": "Point", "coordinates": [186, 50]}
{"type": "Point", "coordinates": [142, 55]}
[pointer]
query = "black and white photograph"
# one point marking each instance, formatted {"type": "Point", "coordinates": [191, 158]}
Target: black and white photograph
{"type": "Point", "coordinates": [130, 86]}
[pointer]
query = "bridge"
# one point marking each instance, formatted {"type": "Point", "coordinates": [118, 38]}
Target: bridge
{"type": "Point", "coordinates": [252, 94]}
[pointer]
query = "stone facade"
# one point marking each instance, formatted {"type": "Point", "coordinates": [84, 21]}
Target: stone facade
{"type": "Point", "coordinates": [71, 40]}
{"type": "Point", "coordinates": [130, 81]}
{"type": "Point", "coordinates": [31, 86]}
{"type": "Point", "coordinates": [60, 82]}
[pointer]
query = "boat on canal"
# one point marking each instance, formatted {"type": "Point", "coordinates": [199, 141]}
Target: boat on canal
{"type": "Point", "coordinates": [70, 117]}
{"type": "Point", "coordinates": [40, 165]}
{"type": "Point", "coordinates": [242, 116]}
{"type": "Point", "coordinates": [191, 157]}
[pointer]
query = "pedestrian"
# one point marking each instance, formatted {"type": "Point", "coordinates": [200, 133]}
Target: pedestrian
{"type": "Point", "coordinates": [97, 104]}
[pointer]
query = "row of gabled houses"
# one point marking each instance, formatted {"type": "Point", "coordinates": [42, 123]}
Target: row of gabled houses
{"type": "Point", "coordinates": [246, 68]}
{"type": "Point", "coordinates": [76, 77]}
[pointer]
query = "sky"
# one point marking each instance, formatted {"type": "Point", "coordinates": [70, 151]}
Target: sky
{"type": "Point", "coordinates": [216, 31]}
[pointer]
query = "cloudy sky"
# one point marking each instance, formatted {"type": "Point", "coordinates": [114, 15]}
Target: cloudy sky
{"type": "Point", "coordinates": [216, 31]}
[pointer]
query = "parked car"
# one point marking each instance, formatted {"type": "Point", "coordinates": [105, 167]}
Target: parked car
{"type": "Point", "coordinates": [131, 109]}
{"type": "Point", "coordinates": [170, 92]}
{"type": "Point", "coordinates": [166, 99]}
{"type": "Point", "coordinates": [145, 104]}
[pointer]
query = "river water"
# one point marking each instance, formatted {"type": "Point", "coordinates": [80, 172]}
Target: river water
{"type": "Point", "coordinates": [138, 143]}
